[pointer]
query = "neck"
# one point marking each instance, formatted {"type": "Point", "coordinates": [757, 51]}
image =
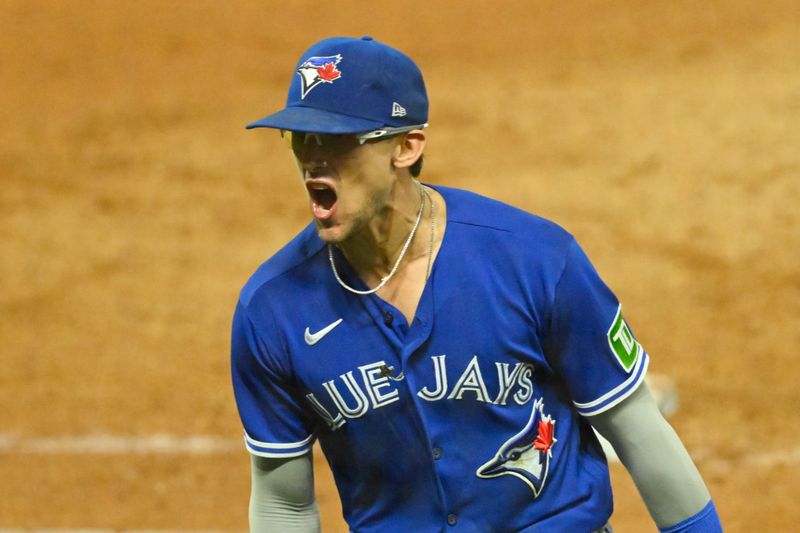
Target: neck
{"type": "Point", "coordinates": [374, 250]}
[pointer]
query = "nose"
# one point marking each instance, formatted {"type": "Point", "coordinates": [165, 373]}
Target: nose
{"type": "Point", "coordinates": [311, 158]}
{"type": "Point", "coordinates": [311, 165]}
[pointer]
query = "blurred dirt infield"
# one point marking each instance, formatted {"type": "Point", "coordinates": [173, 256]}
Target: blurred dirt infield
{"type": "Point", "coordinates": [134, 205]}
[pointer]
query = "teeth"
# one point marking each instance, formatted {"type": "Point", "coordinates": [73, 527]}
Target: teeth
{"type": "Point", "coordinates": [319, 187]}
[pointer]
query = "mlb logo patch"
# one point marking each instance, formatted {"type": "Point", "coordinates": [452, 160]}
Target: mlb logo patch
{"type": "Point", "coordinates": [316, 70]}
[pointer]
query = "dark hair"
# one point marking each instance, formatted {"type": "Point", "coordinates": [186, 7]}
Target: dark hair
{"type": "Point", "coordinates": [416, 168]}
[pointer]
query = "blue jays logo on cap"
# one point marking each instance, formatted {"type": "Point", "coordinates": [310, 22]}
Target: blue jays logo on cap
{"type": "Point", "coordinates": [316, 70]}
{"type": "Point", "coordinates": [527, 454]}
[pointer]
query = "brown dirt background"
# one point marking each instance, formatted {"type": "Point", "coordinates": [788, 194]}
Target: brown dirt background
{"type": "Point", "coordinates": [134, 205]}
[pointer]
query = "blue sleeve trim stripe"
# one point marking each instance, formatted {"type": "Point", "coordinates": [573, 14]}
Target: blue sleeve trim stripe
{"type": "Point", "coordinates": [613, 392]}
{"type": "Point", "coordinates": [706, 521]}
{"type": "Point", "coordinates": [619, 393]}
{"type": "Point", "coordinates": [278, 450]}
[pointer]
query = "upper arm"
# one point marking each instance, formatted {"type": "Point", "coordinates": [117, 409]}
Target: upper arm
{"type": "Point", "coordinates": [271, 408]}
{"type": "Point", "coordinates": [631, 418]}
{"type": "Point", "coordinates": [588, 341]}
{"type": "Point", "coordinates": [289, 480]}
{"type": "Point", "coordinates": [282, 495]}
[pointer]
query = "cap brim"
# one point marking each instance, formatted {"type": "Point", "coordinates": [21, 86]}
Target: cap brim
{"type": "Point", "coordinates": [315, 120]}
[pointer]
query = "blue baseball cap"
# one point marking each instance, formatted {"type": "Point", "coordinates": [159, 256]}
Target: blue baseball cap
{"type": "Point", "coordinates": [344, 85]}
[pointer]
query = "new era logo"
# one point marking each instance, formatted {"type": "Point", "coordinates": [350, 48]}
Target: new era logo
{"type": "Point", "coordinates": [398, 110]}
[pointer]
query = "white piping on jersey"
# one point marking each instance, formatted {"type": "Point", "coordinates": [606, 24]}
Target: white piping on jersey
{"type": "Point", "coordinates": [281, 455]}
{"type": "Point", "coordinates": [277, 445]}
{"type": "Point", "coordinates": [627, 393]}
{"type": "Point", "coordinates": [634, 381]}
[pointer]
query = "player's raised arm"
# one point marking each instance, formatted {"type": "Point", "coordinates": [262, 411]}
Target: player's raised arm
{"type": "Point", "coordinates": [282, 495]}
{"type": "Point", "coordinates": [667, 479]}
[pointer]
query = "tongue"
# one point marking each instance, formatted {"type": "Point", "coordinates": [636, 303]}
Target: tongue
{"type": "Point", "coordinates": [322, 202]}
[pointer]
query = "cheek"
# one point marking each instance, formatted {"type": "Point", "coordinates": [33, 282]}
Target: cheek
{"type": "Point", "coordinates": [366, 180]}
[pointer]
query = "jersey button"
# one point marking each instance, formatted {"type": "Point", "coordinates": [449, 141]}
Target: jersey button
{"type": "Point", "coordinates": [388, 318]}
{"type": "Point", "coordinates": [452, 519]}
{"type": "Point", "coordinates": [437, 453]}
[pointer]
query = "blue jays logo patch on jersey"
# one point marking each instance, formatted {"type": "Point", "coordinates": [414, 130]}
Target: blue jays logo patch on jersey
{"type": "Point", "coordinates": [316, 70]}
{"type": "Point", "coordinates": [527, 454]}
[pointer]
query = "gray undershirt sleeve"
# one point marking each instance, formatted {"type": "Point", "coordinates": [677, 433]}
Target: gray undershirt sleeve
{"type": "Point", "coordinates": [667, 479]}
{"type": "Point", "coordinates": [282, 495]}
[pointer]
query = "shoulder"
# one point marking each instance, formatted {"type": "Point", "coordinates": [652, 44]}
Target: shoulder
{"type": "Point", "coordinates": [279, 273]}
{"type": "Point", "coordinates": [501, 221]}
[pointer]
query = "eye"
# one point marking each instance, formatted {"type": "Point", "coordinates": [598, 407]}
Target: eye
{"type": "Point", "coordinates": [514, 456]}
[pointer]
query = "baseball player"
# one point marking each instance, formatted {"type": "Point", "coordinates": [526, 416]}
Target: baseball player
{"type": "Point", "coordinates": [451, 354]}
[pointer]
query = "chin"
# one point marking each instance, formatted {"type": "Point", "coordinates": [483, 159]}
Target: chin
{"type": "Point", "coordinates": [330, 234]}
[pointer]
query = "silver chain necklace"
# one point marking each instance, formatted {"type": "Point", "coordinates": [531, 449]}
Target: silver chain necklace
{"type": "Point", "coordinates": [384, 280]}
{"type": "Point", "coordinates": [433, 229]}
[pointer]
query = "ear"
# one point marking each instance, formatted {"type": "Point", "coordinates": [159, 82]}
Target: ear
{"type": "Point", "coordinates": [409, 149]}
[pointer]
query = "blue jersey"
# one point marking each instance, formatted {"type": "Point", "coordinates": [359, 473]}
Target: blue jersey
{"type": "Point", "coordinates": [479, 423]}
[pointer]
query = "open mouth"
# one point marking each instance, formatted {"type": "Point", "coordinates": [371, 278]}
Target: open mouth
{"type": "Point", "coordinates": [323, 197]}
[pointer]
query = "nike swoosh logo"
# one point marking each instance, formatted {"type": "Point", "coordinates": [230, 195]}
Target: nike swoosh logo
{"type": "Point", "coordinates": [314, 338]}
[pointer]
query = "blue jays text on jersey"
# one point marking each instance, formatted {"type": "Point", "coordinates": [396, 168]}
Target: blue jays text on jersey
{"type": "Point", "coordinates": [480, 425]}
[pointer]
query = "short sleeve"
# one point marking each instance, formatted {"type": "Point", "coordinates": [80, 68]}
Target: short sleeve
{"type": "Point", "coordinates": [589, 341]}
{"type": "Point", "coordinates": [269, 406]}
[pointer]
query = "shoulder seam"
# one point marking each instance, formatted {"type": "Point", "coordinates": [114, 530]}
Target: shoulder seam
{"type": "Point", "coordinates": [478, 225]}
{"type": "Point", "coordinates": [552, 302]}
{"type": "Point", "coordinates": [563, 268]}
